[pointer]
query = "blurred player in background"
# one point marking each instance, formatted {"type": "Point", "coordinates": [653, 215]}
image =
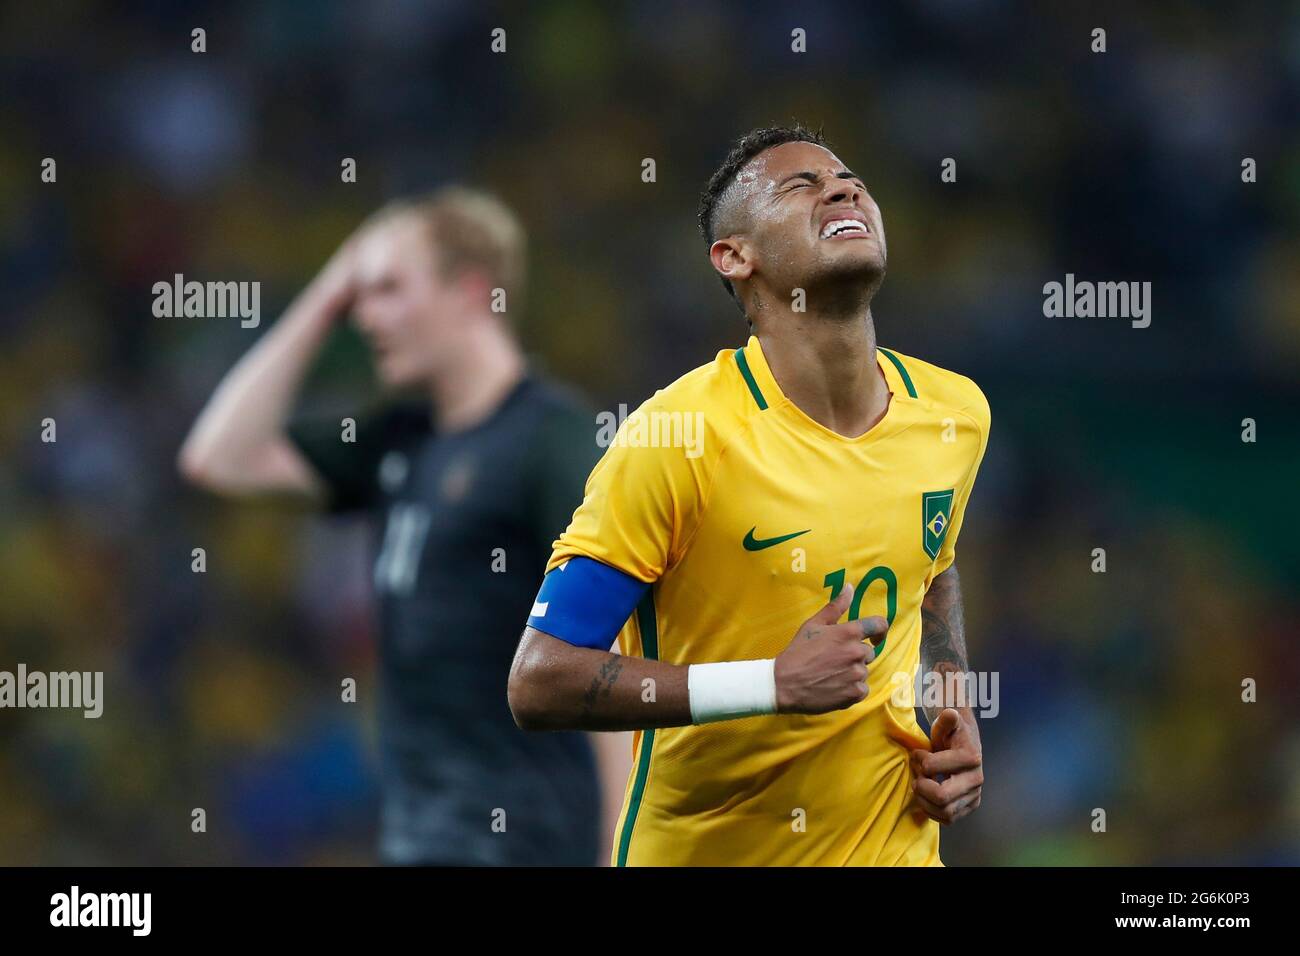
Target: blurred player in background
{"type": "Point", "coordinates": [829, 474]}
{"type": "Point", "coordinates": [469, 485]}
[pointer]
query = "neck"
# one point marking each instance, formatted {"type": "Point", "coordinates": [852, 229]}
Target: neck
{"type": "Point", "coordinates": [486, 370]}
{"type": "Point", "coordinates": [826, 365]}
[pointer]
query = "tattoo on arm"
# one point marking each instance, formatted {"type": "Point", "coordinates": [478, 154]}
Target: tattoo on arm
{"type": "Point", "coordinates": [602, 683]}
{"type": "Point", "coordinates": [943, 632]}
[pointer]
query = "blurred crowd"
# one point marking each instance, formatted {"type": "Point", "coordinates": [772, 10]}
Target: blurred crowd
{"type": "Point", "coordinates": [1121, 691]}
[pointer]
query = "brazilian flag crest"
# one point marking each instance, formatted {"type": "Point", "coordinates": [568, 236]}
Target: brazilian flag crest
{"type": "Point", "coordinates": [936, 515]}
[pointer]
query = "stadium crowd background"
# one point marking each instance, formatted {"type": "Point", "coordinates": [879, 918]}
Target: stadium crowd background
{"type": "Point", "coordinates": [1119, 691]}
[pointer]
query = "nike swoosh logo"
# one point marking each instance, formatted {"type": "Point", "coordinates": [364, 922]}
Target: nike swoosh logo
{"type": "Point", "coordinates": [754, 544]}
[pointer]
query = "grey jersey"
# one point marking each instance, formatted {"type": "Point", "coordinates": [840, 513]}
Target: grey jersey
{"type": "Point", "coordinates": [465, 522]}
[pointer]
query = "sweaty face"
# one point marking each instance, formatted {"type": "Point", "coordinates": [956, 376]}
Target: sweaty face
{"type": "Point", "coordinates": [410, 315]}
{"type": "Point", "coordinates": [809, 219]}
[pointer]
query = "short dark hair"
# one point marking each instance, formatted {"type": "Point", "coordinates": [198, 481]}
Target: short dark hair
{"type": "Point", "coordinates": [742, 151]}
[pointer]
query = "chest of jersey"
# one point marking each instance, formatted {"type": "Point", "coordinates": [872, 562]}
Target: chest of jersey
{"type": "Point", "coordinates": [453, 526]}
{"type": "Point", "coordinates": [794, 514]}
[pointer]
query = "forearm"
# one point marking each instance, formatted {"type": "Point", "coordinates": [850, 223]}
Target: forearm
{"type": "Point", "coordinates": [555, 685]}
{"type": "Point", "coordinates": [559, 686]}
{"type": "Point", "coordinates": [943, 644]}
{"type": "Point", "coordinates": [253, 402]}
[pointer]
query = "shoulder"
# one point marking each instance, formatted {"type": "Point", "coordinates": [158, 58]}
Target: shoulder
{"type": "Point", "coordinates": [551, 417]}
{"type": "Point", "coordinates": [555, 425]}
{"type": "Point", "coordinates": [549, 398]}
{"type": "Point", "coordinates": [714, 397]}
{"type": "Point", "coordinates": [945, 390]}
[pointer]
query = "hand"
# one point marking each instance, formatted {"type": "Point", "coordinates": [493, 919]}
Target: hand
{"type": "Point", "coordinates": [950, 775]}
{"type": "Point", "coordinates": [336, 283]}
{"type": "Point", "coordinates": [825, 666]}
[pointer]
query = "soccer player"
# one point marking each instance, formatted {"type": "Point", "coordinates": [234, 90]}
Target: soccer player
{"type": "Point", "coordinates": [468, 484]}
{"type": "Point", "coordinates": [830, 483]}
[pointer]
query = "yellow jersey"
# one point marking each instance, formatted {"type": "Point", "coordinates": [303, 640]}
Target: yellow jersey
{"type": "Point", "coordinates": [746, 516]}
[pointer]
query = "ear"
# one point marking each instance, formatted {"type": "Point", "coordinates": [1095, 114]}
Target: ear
{"type": "Point", "coordinates": [731, 259]}
{"type": "Point", "coordinates": [473, 287]}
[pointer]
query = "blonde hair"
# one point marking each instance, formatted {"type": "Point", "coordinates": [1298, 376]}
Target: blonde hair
{"type": "Point", "coordinates": [468, 229]}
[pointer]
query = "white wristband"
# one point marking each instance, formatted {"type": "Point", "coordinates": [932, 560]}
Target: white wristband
{"type": "Point", "coordinates": [731, 689]}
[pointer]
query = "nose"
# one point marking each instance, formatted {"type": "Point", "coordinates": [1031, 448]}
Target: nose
{"type": "Point", "coordinates": [841, 191]}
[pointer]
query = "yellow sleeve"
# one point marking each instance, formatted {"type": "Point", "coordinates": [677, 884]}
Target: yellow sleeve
{"type": "Point", "coordinates": [979, 411]}
{"type": "Point", "coordinates": [641, 505]}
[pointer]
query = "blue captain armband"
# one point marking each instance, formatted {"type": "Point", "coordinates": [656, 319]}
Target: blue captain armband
{"type": "Point", "coordinates": [586, 603]}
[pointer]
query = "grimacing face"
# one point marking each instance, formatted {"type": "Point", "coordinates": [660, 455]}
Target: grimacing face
{"type": "Point", "coordinates": [808, 219]}
{"type": "Point", "coordinates": [413, 318]}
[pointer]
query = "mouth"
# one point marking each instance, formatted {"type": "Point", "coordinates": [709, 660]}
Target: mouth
{"type": "Point", "coordinates": [844, 227]}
